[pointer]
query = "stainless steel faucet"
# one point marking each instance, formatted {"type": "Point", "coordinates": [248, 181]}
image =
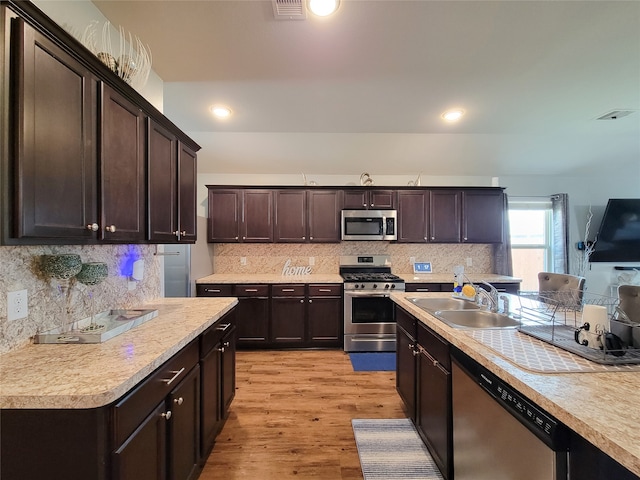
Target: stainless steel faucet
{"type": "Point", "coordinates": [491, 295]}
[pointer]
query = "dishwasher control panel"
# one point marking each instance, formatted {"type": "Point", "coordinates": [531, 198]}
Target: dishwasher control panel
{"type": "Point", "coordinates": [537, 420]}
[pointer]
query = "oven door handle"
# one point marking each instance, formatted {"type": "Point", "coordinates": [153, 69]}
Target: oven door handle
{"type": "Point", "coordinates": [365, 294]}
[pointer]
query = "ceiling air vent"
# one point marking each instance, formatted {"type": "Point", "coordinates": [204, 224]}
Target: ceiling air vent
{"type": "Point", "coordinates": [289, 9]}
{"type": "Point", "coordinates": [615, 114]}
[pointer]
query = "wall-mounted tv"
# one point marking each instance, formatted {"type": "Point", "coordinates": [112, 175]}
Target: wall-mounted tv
{"type": "Point", "coordinates": [618, 238]}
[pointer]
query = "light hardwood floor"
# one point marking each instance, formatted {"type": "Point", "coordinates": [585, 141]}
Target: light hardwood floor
{"type": "Point", "coordinates": [291, 417]}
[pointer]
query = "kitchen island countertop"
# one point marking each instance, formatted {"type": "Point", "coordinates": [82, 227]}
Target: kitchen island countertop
{"type": "Point", "coordinates": [601, 407]}
{"type": "Point", "coordinates": [94, 375]}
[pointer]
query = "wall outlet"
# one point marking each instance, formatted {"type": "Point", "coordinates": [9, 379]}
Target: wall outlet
{"type": "Point", "coordinates": [17, 305]}
{"type": "Point", "coordinates": [312, 261]}
{"type": "Point", "coordinates": [243, 260]}
{"type": "Point", "coordinates": [469, 262]}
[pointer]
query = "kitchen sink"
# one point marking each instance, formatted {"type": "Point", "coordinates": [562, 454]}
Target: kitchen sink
{"type": "Point", "coordinates": [475, 319]}
{"type": "Point", "coordinates": [433, 305]}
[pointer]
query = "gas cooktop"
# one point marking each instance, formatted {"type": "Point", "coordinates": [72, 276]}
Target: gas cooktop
{"type": "Point", "coordinates": [371, 277]}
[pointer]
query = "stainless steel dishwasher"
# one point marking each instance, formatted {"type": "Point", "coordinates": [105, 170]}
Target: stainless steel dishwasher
{"type": "Point", "coordinates": [498, 434]}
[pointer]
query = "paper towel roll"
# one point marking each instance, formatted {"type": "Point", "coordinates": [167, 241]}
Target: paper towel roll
{"type": "Point", "coordinates": [596, 315]}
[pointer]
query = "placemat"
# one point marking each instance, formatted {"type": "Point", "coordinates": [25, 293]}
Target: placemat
{"type": "Point", "coordinates": [532, 354]}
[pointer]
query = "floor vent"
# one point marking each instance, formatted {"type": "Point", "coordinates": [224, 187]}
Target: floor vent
{"type": "Point", "coordinates": [289, 9]}
{"type": "Point", "coordinates": [615, 114]}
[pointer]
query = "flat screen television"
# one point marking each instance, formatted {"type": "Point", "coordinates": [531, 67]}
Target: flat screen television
{"type": "Point", "coordinates": [618, 238]}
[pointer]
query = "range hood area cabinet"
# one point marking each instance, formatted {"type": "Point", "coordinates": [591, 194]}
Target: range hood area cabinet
{"type": "Point", "coordinates": [273, 215]}
{"type": "Point", "coordinates": [82, 163]}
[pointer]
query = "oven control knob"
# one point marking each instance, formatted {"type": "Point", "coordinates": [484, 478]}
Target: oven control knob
{"type": "Point", "coordinates": [393, 285]}
{"type": "Point", "coordinates": [357, 286]}
{"type": "Point", "coordinates": [386, 286]}
{"type": "Point", "coordinates": [375, 285]}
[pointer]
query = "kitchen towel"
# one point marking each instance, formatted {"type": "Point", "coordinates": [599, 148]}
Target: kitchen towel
{"type": "Point", "coordinates": [391, 449]}
{"type": "Point", "coordinates": [373, 361]}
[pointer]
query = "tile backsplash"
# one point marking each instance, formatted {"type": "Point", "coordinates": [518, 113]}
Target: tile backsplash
{"type": "Point", "coordinates": [20, 270]}
{"type": "Point", "coordinates": [271, 258]}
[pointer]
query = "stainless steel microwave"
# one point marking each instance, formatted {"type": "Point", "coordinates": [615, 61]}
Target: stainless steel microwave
{"type": "Point", "coordinates": [369, 225]}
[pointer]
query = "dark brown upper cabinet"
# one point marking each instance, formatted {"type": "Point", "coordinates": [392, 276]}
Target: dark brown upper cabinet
{"type": "Point", "coordinates": [369, 199]}
{"type": "Point", "coordinates": [53, 139]}
{"type": "Point", "coordinates": [483, 216]}
{"type": "Point", "coordinates": [445, 214]}
{"type": "Point", "coordinates": [290, 216]}
{"type": "Point", "coordinates": [122, 169]}
{"type": "Point", "coordinates": [325, 208]}
{"type": "Point", "coordinates": [413, 216]}
{"type": "Point", "coordinates": [171, 168]}
{"type": "Point", "coordinates": [238, 215]}
{"type": "Point", "coordinates": [76, 164]}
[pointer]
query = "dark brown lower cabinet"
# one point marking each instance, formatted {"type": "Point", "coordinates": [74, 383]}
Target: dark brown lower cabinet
{"type": "Point", "coordinates": [406, 362]}
{"type": "Point", "coordinates": [144, 454]}
{"type": "Point", "coordinates": [288, 307]}
{"type": "Point", "coordinates": [184, 428]}
{"type": "Point", "coordinates": [218, 385]}
{"type": "Point", "coordinates": [153, 432]}
{"type": "Point", "coordinates": [324, 316]}
{"type": "Point", "coordinates": [284, 315]}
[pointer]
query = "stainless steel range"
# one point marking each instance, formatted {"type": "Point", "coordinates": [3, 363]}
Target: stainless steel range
{"type": "Point", "coordinates": [369, 322]}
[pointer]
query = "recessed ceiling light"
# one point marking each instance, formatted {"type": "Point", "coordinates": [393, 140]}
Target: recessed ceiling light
{"type": "Point", "coordinates": [221, 111]}
{"type": "Point", "coordinates": [453, 115]}
{"type": "Point", "coordinates": [323, 8]}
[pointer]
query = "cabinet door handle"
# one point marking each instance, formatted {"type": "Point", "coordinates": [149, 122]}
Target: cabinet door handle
{"type": "Point", "coordinates": [225, 344]}
{"type": "Point", "coordinates": [166, 415]}
{"type": "Point", "coordinates": [372, 205]}
{"type": "Point", "coordinates": [111, 228]}
{"type": "Point", "coordinates": [422, 290]}
{"type": "Point", "coordinates": [324, 290]}
{"type": "Point", "coordinates": [179, 400]}
{"type": "Point", "coordinates": [224, 327]}
{"type": "Point", "coordinates": [310, 301]}
{"type": "Point", "coordinates": [433, 238]}
{"type": "Point", "coordinates": [212, 290]}
{"type": "Point", "coordinates": [301, 301]}
{"type": "Point", "coordinates": [236, 237]}
{"type": "Point", "coordinates": [183, 233]}
{"type": "Point", "coordinates": [288, 290]}
{"type": "Point", "coordinates": [465, 238]}
{"type": "Point", "coordinates": [93, 227]}
{"type": "Point", "coordinates": [310, 238]}
{"type": "Point", "coordinates": [221, 349]}
{"type": "Point", "coordinates": [250, 289]}
{"type": "Point", "coordinates": [176, 375]}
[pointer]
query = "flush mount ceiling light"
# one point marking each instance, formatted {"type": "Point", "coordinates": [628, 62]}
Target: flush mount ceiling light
{"type": "Point", "coordinates": [220, 111]}
{"type": "Point", "coordinates": [323, 8]}
{"type": "Point", "coordinates": [453, 115]}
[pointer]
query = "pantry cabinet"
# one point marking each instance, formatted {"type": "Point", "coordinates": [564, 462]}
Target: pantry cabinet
{"type": "Point", "coordinates": [79, 167]}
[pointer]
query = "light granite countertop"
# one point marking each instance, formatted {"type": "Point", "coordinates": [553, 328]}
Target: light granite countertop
{"type": "Point", "coordinates": [94, 375]}
{"type": "Point", "coordinates": [336, 278]}
{"type": "Point", "coordinates": [602, 407]}
{"type": "Point", "coordinates": [448, 278]}
{"type": "Point", "coordinates": [270, 278]}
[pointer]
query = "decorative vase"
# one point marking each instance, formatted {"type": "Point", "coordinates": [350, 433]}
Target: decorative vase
{"type": "Point", "coordinates": [92, 274]}
{"type": "Point", "coordinates": [63, 267]}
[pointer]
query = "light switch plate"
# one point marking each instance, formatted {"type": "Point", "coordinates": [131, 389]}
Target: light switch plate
{"type": "Point", "coordinates": [17, 305]}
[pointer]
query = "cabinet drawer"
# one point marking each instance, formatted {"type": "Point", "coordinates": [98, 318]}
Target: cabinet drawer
{"type": "Point", "coordinates": [436, 346]}
{"type": "Point", "coordinates": [131, 410]}
{"type": "Point", "coordinates": [422, 287]}
{"type": "Point", "coordinates": [214, 333]}
{"type": "Point", "coordinates": [251, 291]}
{"type": "Point", "coordinates": [406, 321]}
{"type": "Point", "coordinates": [296, 290]}
{"type": "Point", "coordinates": [214, 290]}
{"type": "Point", "coordinates": [325, 290]}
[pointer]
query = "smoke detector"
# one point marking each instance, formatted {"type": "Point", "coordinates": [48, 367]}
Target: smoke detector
{"type": "Point", "coordinates": [289, 9]}
{"type": "Point", "coordinates": [615, 114]}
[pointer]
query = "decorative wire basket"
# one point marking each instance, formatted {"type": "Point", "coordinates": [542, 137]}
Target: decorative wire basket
{"type": "Point", "coordinates": [556, 318]}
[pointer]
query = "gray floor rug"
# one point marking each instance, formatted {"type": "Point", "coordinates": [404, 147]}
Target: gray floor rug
{"type": "Point", "coordinates": [391, 449]}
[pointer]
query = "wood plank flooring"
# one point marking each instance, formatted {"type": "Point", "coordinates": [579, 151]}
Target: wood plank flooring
{"type": "Point", "coordinates": [291, 417]}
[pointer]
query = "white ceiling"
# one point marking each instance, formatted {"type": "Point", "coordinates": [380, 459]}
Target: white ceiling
{"type": "Point", "coordinates": [363, 90]}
